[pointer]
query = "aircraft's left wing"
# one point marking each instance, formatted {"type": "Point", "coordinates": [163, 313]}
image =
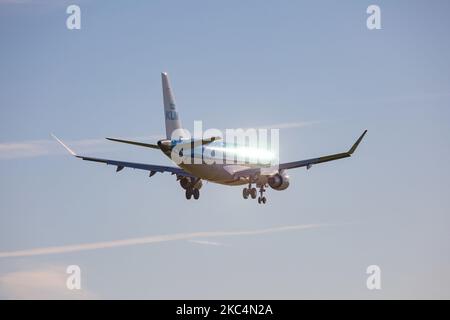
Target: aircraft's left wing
{"type": "Point", "coordinates": [142, 166]}
{"type": "Point", "coordinates": [123, 164]}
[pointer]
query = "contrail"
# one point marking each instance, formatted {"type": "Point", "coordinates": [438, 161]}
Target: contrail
{"type": "Point", "coordinates": [150, 239]}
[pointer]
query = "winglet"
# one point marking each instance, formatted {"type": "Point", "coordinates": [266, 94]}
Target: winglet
{"type": "Point", "coordinates": [62, 143]}
{"type": "Point", "coordinates": [353, 148]}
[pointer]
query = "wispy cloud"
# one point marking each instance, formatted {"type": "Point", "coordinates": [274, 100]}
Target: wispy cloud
{"type": "Point", "coordinates": [38, 148]}
{"type": "Point", "coordinates": [207, 243]}
{"type": "Point", "coordinates": [36, 2]}
{"type": "Point", "coordinates": [149, 240]}
{"type": "Point", "coordinates": [290, 125]}
{"type": "Point", "coordinates": [24, 149]}
{"type": "Point", "coordinates": [14, 1]}
{"type": "Point", "coordinates": [40, 283]}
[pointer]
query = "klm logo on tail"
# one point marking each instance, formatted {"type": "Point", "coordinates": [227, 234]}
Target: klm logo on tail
{"type": "Point", "coordinates": [171, 115]}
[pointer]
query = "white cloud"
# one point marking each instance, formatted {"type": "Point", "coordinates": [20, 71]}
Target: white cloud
{"type": "Point", "coordinates": [148, 240]}
{"type": "Point", "coordinates": [207, 242]}
{"type": "Point", "coordinates": [41, 283]}
{"type": "Point", "coordinates": [14, 1]}
{"type": "Point", "coordinates": [35, 2]}
{"type": "Point", "coordinates": [38, 148]}
{"type": "Point", "coordinates": [290, 125]}
{"type": "Point", "coordinates": [24, 149]}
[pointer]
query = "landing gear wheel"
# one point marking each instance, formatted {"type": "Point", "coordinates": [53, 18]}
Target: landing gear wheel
{"type": "Point", "coordinates": [188, 194]}
{"type": "Point", "coordinates": [245, 193]}
{"type": "Point", "coordinates": [261, 198]}
{"type": "Point", "coordinates": [196, 194]}
{"type": "Point", "coordinates": [252, 192]}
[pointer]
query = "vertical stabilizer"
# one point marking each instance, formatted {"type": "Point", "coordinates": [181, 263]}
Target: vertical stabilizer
{"type": "Point", "coordinates": [170, 112]}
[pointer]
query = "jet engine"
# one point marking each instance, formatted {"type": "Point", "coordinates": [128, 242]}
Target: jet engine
{"type": "Point", "coordinates": [279, 181]}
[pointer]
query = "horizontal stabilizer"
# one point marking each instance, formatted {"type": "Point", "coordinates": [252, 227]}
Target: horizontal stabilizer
{"type": "Point", "coordinates": [136, 143]}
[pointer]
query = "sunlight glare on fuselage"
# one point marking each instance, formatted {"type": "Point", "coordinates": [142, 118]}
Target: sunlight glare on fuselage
{"type": "Point", "coordinates": [245, 154]}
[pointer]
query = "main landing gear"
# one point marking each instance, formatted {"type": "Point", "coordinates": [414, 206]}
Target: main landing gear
{"type": "Point", "coordinates": [253, 192]}
{"type": "Point", "coordinates": [191, 185]}
{"type": "Point", "coordinates": [192, 192]}
{"type": "Point", "coordinates": [249, 192]}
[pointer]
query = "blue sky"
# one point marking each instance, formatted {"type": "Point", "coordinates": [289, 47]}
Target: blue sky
{"type": "Point", "coordinates": [232, 64]}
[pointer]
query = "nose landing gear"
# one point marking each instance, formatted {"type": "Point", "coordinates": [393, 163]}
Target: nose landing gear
{"type": "Point", "coordinates": [262, 199]}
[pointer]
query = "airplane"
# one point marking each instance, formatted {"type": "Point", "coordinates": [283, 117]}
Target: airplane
{"type": "Point", "coordinates": [190, 175]}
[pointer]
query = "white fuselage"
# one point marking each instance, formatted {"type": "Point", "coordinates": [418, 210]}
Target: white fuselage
{"type": "Point", "coordinates": [218, 162]}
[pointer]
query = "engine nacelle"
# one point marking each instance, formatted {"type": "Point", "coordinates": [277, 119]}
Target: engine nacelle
{"type": "Point", "coordinates": [279, 181]}
{"type": "Point", "coordinates": [187, 183]}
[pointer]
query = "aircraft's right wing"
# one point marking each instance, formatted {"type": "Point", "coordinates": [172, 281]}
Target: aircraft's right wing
{"type": "Point", "coordinates": [123, 164]}
{"type": "Point", "coordinates": [308, 163]}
